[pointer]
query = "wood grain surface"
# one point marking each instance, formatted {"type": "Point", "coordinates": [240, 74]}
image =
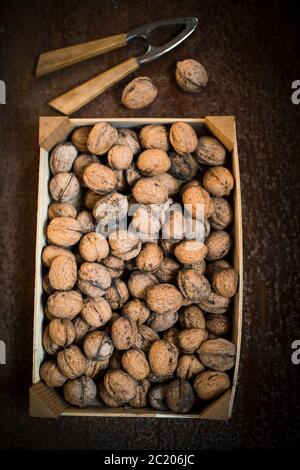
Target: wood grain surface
{"type": "Point", "coordinates": [251, 52]}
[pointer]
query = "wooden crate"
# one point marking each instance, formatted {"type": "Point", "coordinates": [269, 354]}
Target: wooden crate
{"type": "Point", "coordinates": [46, 402]}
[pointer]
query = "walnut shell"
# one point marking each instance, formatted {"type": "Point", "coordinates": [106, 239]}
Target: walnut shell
{"type": "Point", "coordinates": [180, 396]}
{"type": "Point", "coordinates": [129, 137]}
{"type": "Point", "coordinates": [200, 267]}
{"type": "Point", "coordinates": [139, 93]}
{"type": "Point", "coordinates": [172, 184]}
{"type": "Point", "coordinates": [163, 357]}
{"type": "Point", "coordinates": [95, 369]}
{"type": "Point", "coordinates": [62, 158]}
{"type": "Point", "coordinates": [140, 399]}
{"type": "Point", "coordinates": [218, 244]}
{"type": "Point", "coordinates": [154, 137]}
{"type": "Point", "coordinates": [110, 209]}
{"type": "Point", "coordinates": [210, 384]}
{"type": "Point", "coordinates": [135, 363]}
{"type": "Point", "coordinates": [136, 310]}
{"type": "Point", "coordinates": [81, 163]}
{"type": "Point", "coordinates": [93, 247]}
{"type": "Point", "coordinates": [51, 375]}
{"type": "Point", "coordinates": [145, 337]}
{"type": "Point", "coordinates": [123, 333]}
{"type": "Point", "coordinates": [171, 336]}
{"type": "Point", "coordinates": [63, 273]}
{"type": "Point", "coordinates": [117, 295]}
{"type": "Point", "coordinates": [191, 76]}
{"type": "Point", "coordinates": [101, 138]}
{"type": "Point", "coordinates": [218, 354]}
{"type": "Point", "coordinates": [215, 266]}
{"type": "Point", "coordinates": [163, 298]}
{"type": "Point", "coordinates": [167, 271]}
{"type": "Point", "coordinates": [80, 391]}
{"type": "Point", "coordinates": [149, 191]}
{"type": "Point", "coordinates": [149, 258]}
{"type": "Point", "coordinates": [65, 304]}
{"type": "Point", "coordinates": [197, 202]}
{"type": "Point", "coordinates": [210, 151]}
{"type": "Point", "coordinates": [157, 397]}
{"type": "Point", "coordinates": [62, 331]}
{"type": "Point", "coordinates": [47, 288]}
{"type": "Point", "coordinates": [50, 252]}
{"type": "Point", "coordinates": [120, 386]}
{"type": "Point", "coordinates": [190, 340]}
{"type": "Point", "coordinates": [153, 162]}
{"type": "Point", "coordinates": [183, 138]}
{"type": "Point", "coordinates": [71, 362]}
{"type": "Point", "coordinates": [218, 325]}
{"type": "Point", "coordinates": [191, 317]}
{"type": "Point", "coordinates": [190, 251]}
{"type": "Point", "coordinates": [215, 303]}
{"type": "Point", "coordinates": [64, 231]}
{"type": "Point", "coordinates": [132, 174]}
{"type": "Point", "coordinates": [90, 199]}
{"type": "Point", "coordinates": [225, 282]}
{"type": "Point", "coordinates": [50, 346]}
{"type": "Point", "coordinates": [145, 221]}
{"type": "Point", "coordinates": [79, 137]}
{"type": "Point", "coordinates": [139, 283]}
{"type": "Point", "coordinates": [218, 181]}
{"type": "Point", "coordinates": [222, 214]}
{"type": "Point", "coordinates": [183, 167]}
{"type": "Point", "coordinates": [81, 328]}
{"type": "Point", "coordinates": [96, 312]}
{"type": "Point", "coordinates": [192, 285]}
{"type": "Point", "coordinates": [98, 346]}
{"type": "Point", "coordinates": [115, 360]}
{"type": "Point", "coordinates": [93, 279]}
{"type": "Point", "coordinates": [61, 209]}
{"type": "Point", "coordinates": [120, 157]}
{"type": "Point", "coordinates": [64, 187]}
{"type": "Point", "coordinates": [122, 241]}
{"type": "Point", "coordinates": [86, 221]}
{"type": "Point", "coordinates": [99, 178]}
{"type": "Point", "coordinates": [162, 322]}
{"type": "Point", "coordinates": [115, 266]}
{"type": "Point", "coordinates": [188, 366]}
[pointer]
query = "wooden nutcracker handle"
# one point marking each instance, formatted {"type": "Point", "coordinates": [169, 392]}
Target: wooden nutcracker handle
{"type": "Point", "coordinates": [74, 99]}
{"type": "Point", "coordinates": [60, 58]}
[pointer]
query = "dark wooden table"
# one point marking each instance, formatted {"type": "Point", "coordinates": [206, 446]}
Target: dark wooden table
{"type": "Point", "coordinates": [251, 52]}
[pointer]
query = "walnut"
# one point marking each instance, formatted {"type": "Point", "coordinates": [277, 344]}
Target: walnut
{"type": "Point", "coordinates": [180, 396]}
{"type": "Point", "coordinates": [132, 174]}
{"type": "Point", "coordinates": [215, 266]}
{"type": "Point", "coordinates": [86, 221]}
{"type": "Point", "coordinates": [167, 271]}
{"type": "Point", "coordinates": [218, 244]}
{"type": "Point", "coordinates": [188, 366]}
{"type": "Point", "coordinates": [93, 279]}
{"type": "Point", "coordinates": [62, 158]}
{"type": "Point", "coordinates": [191, 76]}
{"type": "Point", "coordinates": [99, 178]}
{"type": "Point", "coordinates": [225, 282]}
{"type": "Point", "coordinates": [191, 317]}
{"type": "Point", "coordinates": [79, 137]}
{"type": "Point", "coordinates": [62, 331]}
{"type": "Point", "coordinates": [51, 375]}
{"type": "Point", "coordinates": [61, 209]}
{"type": "Point", "coordinates": [210, 151]}
{"type": "Point", "coordinates": [98, 346]}
{"type": "Point", "coordinates": [149, 191]}
{"type": "Point", "coordinates": [210, 384]}
{"type": "Point", "coordinates": [183, 167]}
{"type": "Point", "coordinates": [65, 304]}
{"type": "Point", "coordinates": [47, 288]}
{"type": "Point", "coordinates": [50, 252]}
{"type": "Point", "coordinates": [145, 337]}
{"type": "Point", "coordinates": [197, 202]}
{"type": "Point", "coordinates": [154, 137]}
{"type": "Point", "coordinates": [163, 357]}
{"type": "Point", "coordinates": [162, 322]}
{"type": "Point", "coordinates": [105, 397]}
{"type": "Point", "coordinates": [124, 244]}
{"type": "Point", "coordinates": [64, 187]}
{"type": "Point", "coordinates": [110, 209]}
{"type": "Point", "coordinates": [136, 310]}
{"type": "Point", "coordinates": [140, 398]}
{"type": "Point", "coordinates": [81, 163]}
{"type": "Point", "coordinates": [117, 295]}
{"type": "Point", "coordinates": [96, 312]}
{"type": "Point", "coordinates": [120, 386]}
{"type": "Point", "coordinates": [64, 231]}
{"type": "Point", "coordinates": [190, 340]}
{"type": "Point", "coordinates": [115, 266]}
{"type": "Point", "coordinates": [192, 285]}
{"type": "Point", "coordinates": [71, 362]}
{"type": "Point", "coordinates": [90, 199]}
{"type": "Point", "coordinates": [149, 258]}
{"type": "Point", "coordinates": [153, 162]}
{"type": "Point", "coordinates": [218, 354]}
{"type": "Point", "coordinates": [157, 397]}
{"type": "Point", "coordinates": [101, 138]}
{"type": "Point", "coordinates": [139, 283]}
{"type": "Point", "coordinates": [81, 328]}
{"type": "Point", "coordinates": [222, 214]}
{"type": "Point", "coordinates": [218, 181]}
{"type": "Point", "coordinates": [120, 157]}
{"type": "Point", "coordinates": [218, 324]}
{"type": "Point", "coordinates": [145, 221]}
{"type": "Point", "coordinates": [215, 303]}
{"type": "Point", "coordinates": [199, 267]}
{"type": "Point", "coordinates": [50, 346]}
{"type": "Point", "coordinates": [129, 137]}
{"type": "Point", "coordinates": [183, 138]}
{"type": "Point", "coordinates": [163, 298]}
{"type": "Point", "coordinates": [172, 184]}
{"type": "Point", "coordinates": [168, 246]}
{"type": "Point", "coordinates": [139, 93]}
{"type": "Point", "coordinates": [80, 391]}
{"type": "Point", "coordinates": [171, 336]}
{"type": "Point", "coordinates": [63, 273]}
{"type": "Point", "coordinates": [93, 247]}
{"type": "Point", "coordinates": [95, 369]}
{"type": "Point", "coordinates": [190, 251]}
{"type": "Point", "coordinates": [135, 363]}
{"type": "Point", "coordinates": [123, 333]}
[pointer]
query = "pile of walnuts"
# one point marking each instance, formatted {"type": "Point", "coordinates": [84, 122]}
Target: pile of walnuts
{"type": "Point", "coordinates": [137, 315]}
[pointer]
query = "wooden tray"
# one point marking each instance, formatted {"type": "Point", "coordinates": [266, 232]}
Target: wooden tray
{"type": "Point", "coordinates": [46, 402]}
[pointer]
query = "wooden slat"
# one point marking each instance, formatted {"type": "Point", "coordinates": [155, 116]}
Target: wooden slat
{"type": "Point", "coordinates": [52, 130]}
{"type": "Point", "coordinates": [45, 402]}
